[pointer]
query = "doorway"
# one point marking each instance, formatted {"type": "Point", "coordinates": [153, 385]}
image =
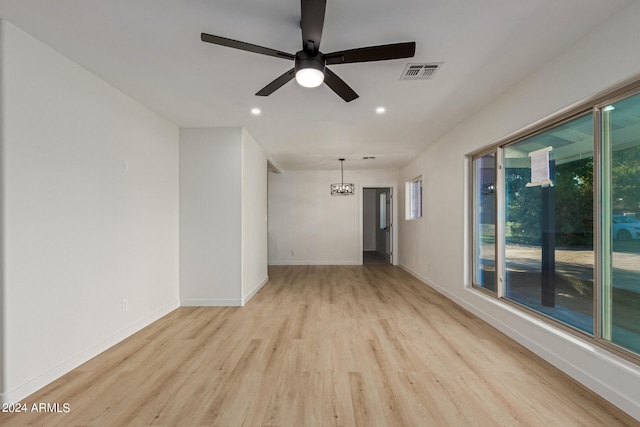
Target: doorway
{"type": "Point", "coordinates": [377, 225]}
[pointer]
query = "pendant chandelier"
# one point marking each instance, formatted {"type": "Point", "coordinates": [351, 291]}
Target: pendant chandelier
{"type": "Point", "coordinates": [342, 189]}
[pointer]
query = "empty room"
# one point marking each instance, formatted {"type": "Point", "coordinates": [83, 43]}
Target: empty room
{"type": "Point", "coordinates": [319, 212]}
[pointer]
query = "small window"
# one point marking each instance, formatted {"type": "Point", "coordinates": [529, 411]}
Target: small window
{"type": "Point", "coordinates": [414, 198]}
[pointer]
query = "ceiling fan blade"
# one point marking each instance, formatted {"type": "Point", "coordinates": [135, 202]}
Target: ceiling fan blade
{"type": "Point", "coordinates": [222, 41]}
{"type": "Point", "coordinates": [339, 86]}
{"type": "Point", "coordinates": [277, 83]}
{"type": "Point", "coordinates": [372, 53]}
{"type": "Point", "coordinates": [311, 23]}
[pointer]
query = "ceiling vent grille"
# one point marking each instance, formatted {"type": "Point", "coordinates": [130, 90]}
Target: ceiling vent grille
{"type": "Point", "coordinates": [424, 71]}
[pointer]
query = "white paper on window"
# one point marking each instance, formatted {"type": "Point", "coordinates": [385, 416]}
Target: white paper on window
{"type": "Point", "coordinates": [540, 167]}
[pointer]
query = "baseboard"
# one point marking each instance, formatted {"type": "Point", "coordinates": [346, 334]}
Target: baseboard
{"type": "Point", "coordinates": [27, 389]}
{"type": "Point", "coordinates": [296, 262]}
{"type": "Point", "coordinates": [211, 302]}
{"type": "Point", "coordinates": [255, 291]}
{"type": "Point", "coordinates": [626, 404]}
{"type": "Point", "coordinates": [436, 288]}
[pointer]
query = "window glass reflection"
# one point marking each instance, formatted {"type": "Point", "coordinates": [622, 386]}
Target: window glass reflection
{"type": "Point", "coordinates": [549, 223]}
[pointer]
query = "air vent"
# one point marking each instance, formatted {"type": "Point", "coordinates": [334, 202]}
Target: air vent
{"type": "Point", "coordinates": [424, 71]}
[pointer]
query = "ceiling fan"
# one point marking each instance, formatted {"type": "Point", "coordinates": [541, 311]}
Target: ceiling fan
{"type": "Point", "coordinates": [310, 64]}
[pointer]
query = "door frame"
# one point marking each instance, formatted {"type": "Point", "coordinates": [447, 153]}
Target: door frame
{"type": "Point", "coordinates": [394, 219]}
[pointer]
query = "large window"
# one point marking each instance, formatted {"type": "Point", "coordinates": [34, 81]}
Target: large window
{"type": "Point", "coordinates": [556, 221]}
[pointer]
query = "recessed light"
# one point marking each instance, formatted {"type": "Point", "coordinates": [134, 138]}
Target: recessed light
{"type": "Point", "coordinates": [380, 110]}
{"type": "Point", "coordinates": [255, 111]}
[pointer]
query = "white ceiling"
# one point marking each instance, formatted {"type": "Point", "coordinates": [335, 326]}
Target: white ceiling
{"type": "Point", "coordinates": [151, 50]}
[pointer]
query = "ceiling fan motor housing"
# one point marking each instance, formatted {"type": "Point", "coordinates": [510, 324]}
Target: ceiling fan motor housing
{"type": "Point", "coordinates": [308, 60]}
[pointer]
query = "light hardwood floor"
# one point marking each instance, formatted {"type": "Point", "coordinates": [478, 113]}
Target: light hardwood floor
{"type": "Point", "coordinates": [323, 346]}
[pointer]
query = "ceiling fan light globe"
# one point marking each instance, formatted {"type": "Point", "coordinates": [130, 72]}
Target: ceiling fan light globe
{"type": "Point", "coordinates": [309, 77]}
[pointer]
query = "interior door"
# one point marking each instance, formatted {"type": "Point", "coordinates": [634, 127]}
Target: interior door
{"type": "Point", "coordinates": [386, 222]}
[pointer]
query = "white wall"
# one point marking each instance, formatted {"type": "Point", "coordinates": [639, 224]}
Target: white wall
{"type": "Point", "coordinates": [434, 247]}
{"type": "Point", "coordinates": [211, 216]}
{"type": "Point", "coordinates": [304, 219]}
{"type": "Point", "coordinates": [79, 234]}
{"type": "Point", "coordinates": [223, 216]}
{"type": "Point", "coordinates": [254, 217]}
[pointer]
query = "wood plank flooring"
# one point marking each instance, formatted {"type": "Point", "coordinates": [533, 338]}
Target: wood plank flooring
{"type": "Point", "coordinates": [322, 346]}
